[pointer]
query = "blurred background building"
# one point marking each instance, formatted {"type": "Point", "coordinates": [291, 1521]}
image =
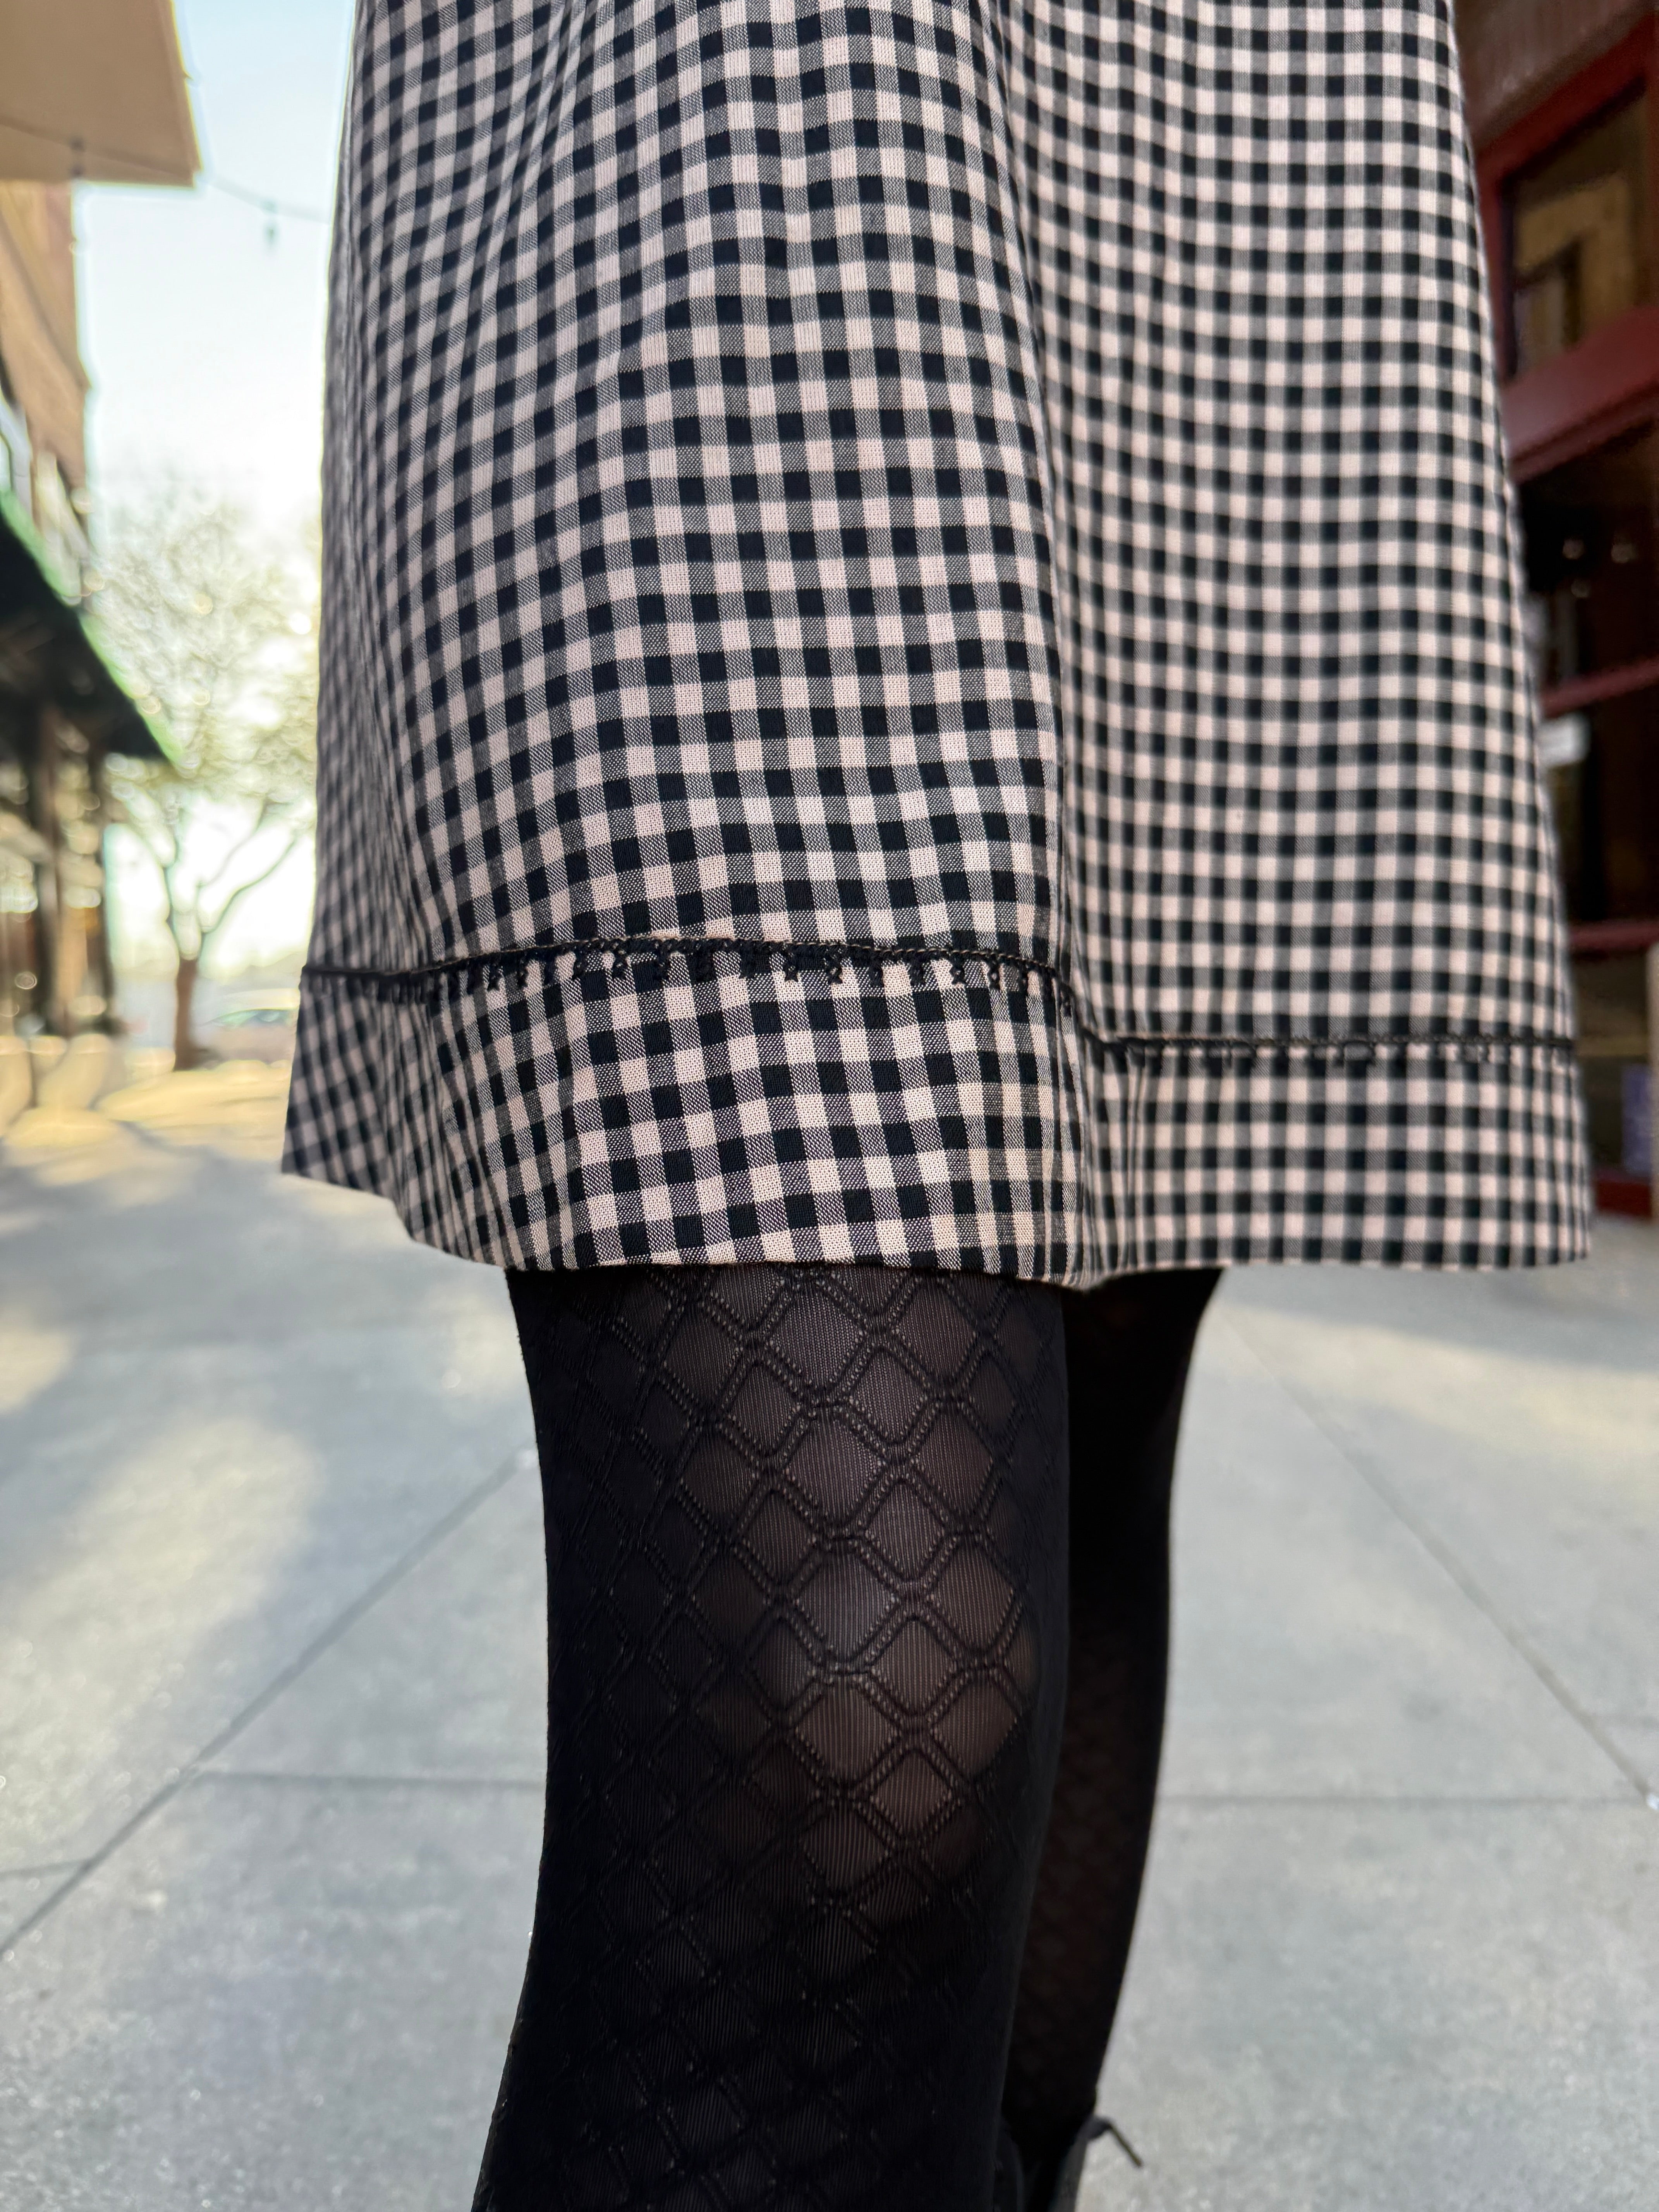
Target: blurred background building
{"type": "Point", "coordinates": [93, 91]}
{"type": "Point", "coordinates": [1563, 101]}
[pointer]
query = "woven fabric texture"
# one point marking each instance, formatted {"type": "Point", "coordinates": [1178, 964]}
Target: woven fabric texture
{"type": "Point", "coordinates": [922, 647]}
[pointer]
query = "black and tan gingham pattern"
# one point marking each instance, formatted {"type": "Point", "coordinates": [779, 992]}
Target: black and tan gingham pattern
{"type": "Point", "coordinates": [923, 658]}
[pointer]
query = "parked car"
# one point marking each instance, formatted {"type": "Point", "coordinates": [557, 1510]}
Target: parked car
{"type": "Point", "coordinates": [257, 1027]}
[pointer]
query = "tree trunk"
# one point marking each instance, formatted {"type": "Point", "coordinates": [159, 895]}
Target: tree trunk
{"type": "Point", "coordinates": [186, 1053]}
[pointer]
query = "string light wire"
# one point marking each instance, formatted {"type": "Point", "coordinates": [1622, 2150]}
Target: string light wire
{"type": "Point", "coordinates": [272, 208]}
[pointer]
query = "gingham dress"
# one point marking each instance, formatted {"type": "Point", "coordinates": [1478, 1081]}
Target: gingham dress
{"type": "Point", "coordinates": [922, 656]}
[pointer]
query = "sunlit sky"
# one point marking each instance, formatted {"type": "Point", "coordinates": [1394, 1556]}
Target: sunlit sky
{"type": "Point", "coordinates": [203, 340]}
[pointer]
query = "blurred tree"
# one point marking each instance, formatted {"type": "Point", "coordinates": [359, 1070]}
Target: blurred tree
{"type": "Point", "coordinates": [217, 640]}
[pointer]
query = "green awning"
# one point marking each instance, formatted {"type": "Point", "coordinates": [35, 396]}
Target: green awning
{"type": "Point", "coordinates": [48, 659]}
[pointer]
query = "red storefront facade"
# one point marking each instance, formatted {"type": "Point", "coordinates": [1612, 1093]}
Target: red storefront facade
{"type": "Point", "coordinates": [1565, 108]}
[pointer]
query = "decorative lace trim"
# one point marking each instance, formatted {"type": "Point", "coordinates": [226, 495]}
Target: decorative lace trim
{"type": "Point", "coordinates": [645, 960]}
{"type": "Point", "coordinates": [701, 959]}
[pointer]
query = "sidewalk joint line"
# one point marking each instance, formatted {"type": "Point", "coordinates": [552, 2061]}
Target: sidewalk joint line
{"type": "Point", "coordinates": [1521, 1645]}
{"type": "Point", "coordinates": [1373, 1801]}
{"type": "Point", "coordinates": [405, 1564]}
{"type": "Point", "coordinates": [371, 1781]}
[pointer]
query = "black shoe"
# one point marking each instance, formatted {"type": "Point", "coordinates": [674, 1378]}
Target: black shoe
{"type": "Point", "coordinates": [1018, 2195]}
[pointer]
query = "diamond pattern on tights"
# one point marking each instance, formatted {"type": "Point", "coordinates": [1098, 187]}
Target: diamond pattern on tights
{"type": "Point", "coordinates": [807, 1546]}
{"type": "Point", "coordinates": [1127, 1346]}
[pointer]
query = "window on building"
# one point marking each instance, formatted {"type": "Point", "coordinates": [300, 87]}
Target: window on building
{"type": "Point", "coordinates": [1592, 535]}
{"type": "Point", "coordinates": [1580, 249]}
{"type": "Point", "coordinates": [1606, 812]}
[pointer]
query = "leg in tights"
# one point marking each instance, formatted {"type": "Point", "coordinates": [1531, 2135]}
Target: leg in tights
{"type": "Point", "coordinates": [1127, 1348]}
{"type": "Point", "coordinates": [807, 1618]}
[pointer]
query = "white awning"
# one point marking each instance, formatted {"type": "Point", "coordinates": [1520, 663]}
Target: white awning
{"type": "Point", "coordinates": [93, 89]}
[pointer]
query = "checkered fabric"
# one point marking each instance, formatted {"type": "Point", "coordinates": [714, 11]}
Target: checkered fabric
{"type": "Point", "coordinates": [923, 657]}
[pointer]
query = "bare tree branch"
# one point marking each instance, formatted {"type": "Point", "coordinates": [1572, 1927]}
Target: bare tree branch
{"type": "Point", "coordinates": [219, 638]}
{"type": "Point", "coordinates": [211, 929]}
{"type": "Point", "coordinates": [240, 846]}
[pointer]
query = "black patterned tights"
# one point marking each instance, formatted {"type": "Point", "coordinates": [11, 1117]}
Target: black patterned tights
{"type": "Point", "coordinates": [807, 1570]}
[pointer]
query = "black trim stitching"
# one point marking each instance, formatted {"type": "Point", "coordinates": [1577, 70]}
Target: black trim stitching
{"type": "Point", "coordinates": [650, 960]}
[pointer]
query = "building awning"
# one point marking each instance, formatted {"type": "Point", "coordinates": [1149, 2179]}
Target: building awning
{"type": "Point", "coordinates": [93, 89]}
{"type": "Point", "coordinates": [47, 659]}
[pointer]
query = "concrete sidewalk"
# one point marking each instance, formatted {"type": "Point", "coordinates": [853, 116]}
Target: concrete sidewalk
{"type": "Point", "coordinates": [271, 1680]}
